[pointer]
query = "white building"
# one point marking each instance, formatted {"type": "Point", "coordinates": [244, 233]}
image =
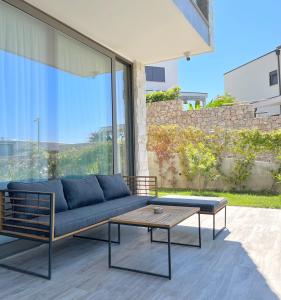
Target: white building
{"type": "Point", "coordinates": [165, 75]}
{"type": "Point", "coordinates": [162, 76]}
{"type": "Point", "coordinates": [257, 82]}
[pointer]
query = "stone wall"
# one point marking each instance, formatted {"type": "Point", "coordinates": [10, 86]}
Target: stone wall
{"type": "Point", "coordinates": [141, 159]}
{"type": "Point", "coordinates": [229, 117]}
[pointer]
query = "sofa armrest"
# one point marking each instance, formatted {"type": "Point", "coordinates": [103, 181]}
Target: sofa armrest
{"type": "Point", "coordinates": [142, 185]}
{"type": "Point", "coordinates": [27, 214]}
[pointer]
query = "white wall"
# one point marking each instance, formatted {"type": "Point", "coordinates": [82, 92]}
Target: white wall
{"type": "Point", "coordinates": [171, 76]}
{"type": "Point", "coordinates": [251, 81]}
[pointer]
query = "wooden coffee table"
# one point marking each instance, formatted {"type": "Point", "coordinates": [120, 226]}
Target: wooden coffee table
{"type": "Point", "coordinates": [145, 217]}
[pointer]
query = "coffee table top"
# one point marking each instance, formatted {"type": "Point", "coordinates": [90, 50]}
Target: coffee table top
{"type": "Point", "coordinates": [145, 216]}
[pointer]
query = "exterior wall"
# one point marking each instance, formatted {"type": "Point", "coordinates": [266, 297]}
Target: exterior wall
{"type": "Point", "coordinates": [251, 81]}
{"type": "Point", "coordinates": [171, 76]}
{"type": "Point", "coordinates": [230, 117]}
{"type": "Point", "coordinates": [141, 160]}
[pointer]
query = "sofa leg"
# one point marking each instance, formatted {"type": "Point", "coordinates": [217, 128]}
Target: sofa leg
{"type": "Point", "coordinates": [101, 240]}
{"type": "Point", "coordinates": [50, 256]}
{"type": "Point", "coordinates": [50, 260]}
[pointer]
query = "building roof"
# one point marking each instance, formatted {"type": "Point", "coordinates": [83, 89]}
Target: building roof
{"type": "Point", "coordinates": [249, 62]}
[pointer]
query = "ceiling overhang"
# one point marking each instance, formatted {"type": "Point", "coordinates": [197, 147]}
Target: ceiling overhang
{"type": "Point", "coordinates": [146, 31]}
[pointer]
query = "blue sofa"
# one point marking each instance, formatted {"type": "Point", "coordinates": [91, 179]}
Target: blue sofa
{"type": "Point", "coordinates": [51, 210]}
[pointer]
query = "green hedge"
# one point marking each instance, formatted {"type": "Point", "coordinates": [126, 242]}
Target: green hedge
{"type": "Point", "coordinates": [171, 94]}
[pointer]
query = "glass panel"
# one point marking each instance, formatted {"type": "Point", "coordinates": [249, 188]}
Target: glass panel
{"type": "Point", "coordinates": [56, 102]}
{"type": "Point", "coordinates": [122, 103]}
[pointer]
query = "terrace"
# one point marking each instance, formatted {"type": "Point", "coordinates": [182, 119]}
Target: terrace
{"type": "Point", "coordinates": [72, 105]}
{"type": "Point", "coordinates": [244, 262]}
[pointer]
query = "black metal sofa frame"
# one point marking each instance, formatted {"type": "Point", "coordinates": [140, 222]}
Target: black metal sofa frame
{"type": "Point", "coordinates": [44, 231]}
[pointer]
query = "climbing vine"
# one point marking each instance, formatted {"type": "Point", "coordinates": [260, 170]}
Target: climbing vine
{"type": "Point", "coordinates": [201, 154]}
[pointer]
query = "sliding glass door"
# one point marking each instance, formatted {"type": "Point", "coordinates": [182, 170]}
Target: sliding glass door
{"type": "Point", "coordinates": [56, 104]}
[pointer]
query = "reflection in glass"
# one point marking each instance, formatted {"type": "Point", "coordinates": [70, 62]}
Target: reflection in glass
{"type": "Point", "coordinates": [56, 102]}
{"type": "Point", "coordinates": [122, 96]}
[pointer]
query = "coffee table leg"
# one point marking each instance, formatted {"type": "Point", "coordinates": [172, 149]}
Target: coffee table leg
{"type": "Point", "coordinates": [199, 229]}
{"type": "Point", "coordinates": [180, 244]}
{"type": "Point", "coordinates": [169, 276]}
{"type": "Point", "coordinates": [109, 244]}
{"type": "Point", "coordinates": [169, 254]}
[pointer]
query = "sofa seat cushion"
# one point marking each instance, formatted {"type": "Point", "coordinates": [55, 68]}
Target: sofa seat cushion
{"type": "Point", "coordinates": [82, 192]}
{"type": "Point", "coordinates": [75, 219]}
{"type": "Point", "coordinates": [113, 186]}
{"type": "Point", "coordinates": [51, 186]}
{"type": "Point", "coordinates": [206, 204]}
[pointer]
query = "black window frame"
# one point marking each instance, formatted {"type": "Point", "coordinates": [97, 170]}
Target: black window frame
{"type": "Point", "coordinates": [273, 78]}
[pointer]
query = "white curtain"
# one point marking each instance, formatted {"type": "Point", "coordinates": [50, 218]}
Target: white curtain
{"type": "Point", "coordinates": [28, 37]}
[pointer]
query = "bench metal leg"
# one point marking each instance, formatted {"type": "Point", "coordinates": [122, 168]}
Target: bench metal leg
{"type": "Point", "coordinates": [50, 258]}
{"type": "Point", "coordinates": [100, 240]}
{"type": "Point", "coordinates": [215, 234]}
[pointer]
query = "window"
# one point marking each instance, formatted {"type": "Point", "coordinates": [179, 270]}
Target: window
{"type": "Point", "coordinates": [56, 100]}
{"type": "Point", "coordinates": [156, 74]}
{"type": "Point", "coordinates": [273, 78]}
{"type": "Point", "coordinates": [122, 116]}
{"type": "Point", "coordinates": [56, 104]}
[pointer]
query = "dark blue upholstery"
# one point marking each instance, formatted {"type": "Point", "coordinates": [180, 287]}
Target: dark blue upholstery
{"type": "Point", "coordinates": [71, 220]}
{"type": "Point", "coordinates": [82, 192]}
{"type": "Point", "coordinates": [113, 186]}
{"type": "Point", "coordinates": [51, 186]}
{"type": "Point", "coordinates": [206, 204]}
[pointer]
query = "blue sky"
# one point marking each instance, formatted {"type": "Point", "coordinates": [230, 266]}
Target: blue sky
{"type": "Point", "coordinates": [243, 30]}
{"type": "Point", "coordinates": [69, 107]}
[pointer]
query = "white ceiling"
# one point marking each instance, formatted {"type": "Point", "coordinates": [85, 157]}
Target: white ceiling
{"type": "Point", "coordinates": [148, 31]}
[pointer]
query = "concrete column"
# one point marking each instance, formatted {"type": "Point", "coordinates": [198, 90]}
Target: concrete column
{"type": "Point", "coordinates": [141, 160]}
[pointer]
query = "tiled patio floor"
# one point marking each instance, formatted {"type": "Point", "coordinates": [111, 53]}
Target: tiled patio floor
{"type": "Point", "coordinates": [243, 263]}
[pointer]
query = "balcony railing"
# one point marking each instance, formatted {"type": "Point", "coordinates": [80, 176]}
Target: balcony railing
{"type": "Point", "coordinates": [203, 6]}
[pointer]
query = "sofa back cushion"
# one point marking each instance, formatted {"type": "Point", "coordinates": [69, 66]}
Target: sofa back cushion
{"type": "Point", "coordinates": [113, 186]}
{"type": "Point", "coordinates": [51, 186]}
{"type": "Point", "coordinates": [83, 191]}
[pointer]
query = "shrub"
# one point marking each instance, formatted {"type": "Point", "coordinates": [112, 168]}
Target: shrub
{"type": "Point", "coordinates": [163, 141]}
{"type": "Point", "coordinates": [197, 106]}
{"type": "Point", "coordinates": [241, 171]}
{"type": "Point", "coordinates": [171, 94]}
{"type": "Point", "coordinates": [223, 100]}
{"type": "Point", "coordinates": [198, 163]}
{"type": "Point", "coordinates": [201, 151]}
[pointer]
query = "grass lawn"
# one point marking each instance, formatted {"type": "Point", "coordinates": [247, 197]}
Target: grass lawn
{"type": "Point", "coordinates": [235, 199]}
